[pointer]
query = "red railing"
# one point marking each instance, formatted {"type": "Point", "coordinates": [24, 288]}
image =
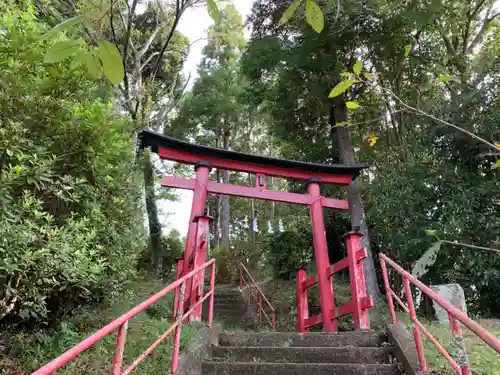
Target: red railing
{"type": "Point", "coordinates": [121, 324]}
{"type": "Point", "coordinates": [358, 306]}
{"type": "Point", "coordinates": [257, 299]}
{"type": "Point", "coordinates": [455, 317]}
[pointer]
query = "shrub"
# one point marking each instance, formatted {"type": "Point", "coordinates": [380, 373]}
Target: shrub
{"type": "Point", "coordinates": [70, 200]}
{"type": "Point", "coordinates": [287, 251]}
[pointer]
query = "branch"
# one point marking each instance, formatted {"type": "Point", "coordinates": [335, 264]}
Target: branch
{"type": "Point", "coordinates": [171, 107]}
{"type": "Point", "coordinates": [128, 32]}
{"type": "Point", "coordinates": [350, 124]}
{"type": "Point", "coordinates": [437, 119]}
{"type": "Point", "coordinates": [146, 46]}
{"type": "Point", "coordinates": [148, 60]}
{"type": "Point", "coordinates": [179, 10]}
{"type": "Point", "coordinates": [472, 246]}
{"type": "Point", "coordinates": [480, 35]}
{"type": "Point", "coordinates": [449, 46]}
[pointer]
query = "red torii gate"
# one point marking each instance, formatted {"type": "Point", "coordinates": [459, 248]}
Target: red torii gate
{"type": "Point", "coordinates": [205, 158]}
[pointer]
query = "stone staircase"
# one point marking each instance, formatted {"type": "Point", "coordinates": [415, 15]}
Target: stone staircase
{"type": "Point", "coordinates": [349, 353]}
{"type": "Point", "coordinates": [229, 306]}
{"type": "Point", "coordinates": [290, 353]}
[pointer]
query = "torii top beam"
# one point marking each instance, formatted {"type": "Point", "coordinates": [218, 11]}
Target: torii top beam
{"type": "Point", "coordinates": [189, 153]}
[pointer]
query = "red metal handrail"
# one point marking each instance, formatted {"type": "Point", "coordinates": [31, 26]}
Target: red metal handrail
{"type": "Point", "coordinates": [121, 324]}
{"type": "Point", "coordinates": [259, 298]}
{"type": "Point", "coordinates": [455, 317]}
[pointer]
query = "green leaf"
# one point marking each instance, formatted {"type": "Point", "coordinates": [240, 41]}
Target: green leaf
{"type": "Point", "coordinates": [426, 261]}
{"type": "Point", "coordinates": [447, 78]}
{"type": "Point", "coordinates": [357, 67]}
{"type": "Point", "coordinates": [78, 60]}
{"type": "Point", "coordinates": [369, 75]}
{"type": "Point", "coordinates": [314, 16]}
{"type": "Point", "coordinates": [497, 165]}
{"type": "Point", "coordinates": [63, 25]}
{"type": "Point", "coordinates": [289, 12]}
{"type": "Point", "coordinates": [341, 87]}
{"type": "Point", "coordinates": [352, 105]}
{"type": "Point", "coordinates": [407, 50]}
{"type": "Point", "coordinates": [93, 66]}
{"type": "Point", "coordinates": [62, 50]}
{"type": "Point", "coordinates": [341, 123]}
{"type": "Point", "coordinates": [430, 232]}
{"type": "Point", "coordinates": [111, 59]}
{"type": "Point", "coordinates": [346, 74]}
{"type": "Point", "coordinates": [213, 10]}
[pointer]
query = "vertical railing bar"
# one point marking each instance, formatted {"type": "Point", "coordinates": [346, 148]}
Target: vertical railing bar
{"type": "Point", "coordinates": [212, 290]}
{"type": "Point", "coordinates": [458, 341]}
{"type": "Point", "coordinates": [416, 330]}
{"type": "Point", "coordinates": [390, 302]}
{"type": "Point", "coordinates": [177, 334]}
{"type": "Point", "coordinates": [260, 308]}
{"type": "Point", "coordinates": [120, 346]}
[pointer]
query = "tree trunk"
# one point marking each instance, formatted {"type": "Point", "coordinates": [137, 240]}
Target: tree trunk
{"type": "Point", "coordinates": [153, 221]}
{"type": "Point", "coordinates": [224, 212]}
{"type": "Point", "coordinates": [338, 113]}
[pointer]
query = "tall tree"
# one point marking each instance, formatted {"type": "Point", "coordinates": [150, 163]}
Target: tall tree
{"type": "Point", "coordinates": [295, 68]}
{"type": "Point", "coordinates": [213, 110]}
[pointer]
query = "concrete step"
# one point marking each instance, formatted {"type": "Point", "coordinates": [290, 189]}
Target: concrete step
{"type": "Point", "coordinates": [302, 355]}
{"type": "Point", "coordinates": [229, 314]}
{"type": "Point", "coordinates": [228, 299]}
{"type": "Point", "coordinates": [229, 306]}
{"type": "Point", "coordinates": [263, 368]}
{"type": "Point", "coordinates": [292, 339]}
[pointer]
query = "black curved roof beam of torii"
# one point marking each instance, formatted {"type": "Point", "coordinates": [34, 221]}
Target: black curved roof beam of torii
{"type": "Point", "coordinates": [183, 152]}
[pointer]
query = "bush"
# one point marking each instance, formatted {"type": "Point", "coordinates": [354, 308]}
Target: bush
{"type": "Point", "coordinates": [70, 202]}
{"type": "Point", "coordinates": [287, 251]}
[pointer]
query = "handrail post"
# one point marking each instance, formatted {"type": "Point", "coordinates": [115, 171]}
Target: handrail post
{"type": "Point", "coordinates": [212, 290]}
{"type": "Point", "coordinates": [177, 333]}
{"type": "Point", "coordinates": [241, 276]}
{"type": "Point", "coordinates": [260, 308]}
{"type": "Point", "coordinates": [416, 331]}
{"type": "Point", "coordinates": [120, 345]}
{"type": "Point", "coordinates": [302, 303]}
{"type": "Point", "coordinates": [388, 293]}
{"type": "Point", "coordinates": [180, 264]}
{"type": "Point", "coordinates": [458, 339]}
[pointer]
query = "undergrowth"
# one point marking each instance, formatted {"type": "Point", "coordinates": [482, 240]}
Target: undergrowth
{"type": "Point", "coordinates": [482, 359]}
{"type": "Point", "coordinates": [26, 351]}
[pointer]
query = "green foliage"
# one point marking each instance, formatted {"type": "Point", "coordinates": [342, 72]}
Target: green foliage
{"type": "Point", "coordinates": [287, 251]}
{"type": "Point", "coordinates": [111, 61]}
{"type": "Point", "coordinates": [28, 350]}
{"type": "Point", "coordinates": [314, 16]}
{"type": "Point", "coordinates": [72, 226]}
{"type": "Point", "coordinates": [290, 11]}
{"type": "Point", "coordinates": [213, 10]}
{"type": "Point", "coordinates": [341, 87]}
{"type": "Point", "coordinates": [426, 261]}
{"type": "Point", "coordinates": [107, 52]}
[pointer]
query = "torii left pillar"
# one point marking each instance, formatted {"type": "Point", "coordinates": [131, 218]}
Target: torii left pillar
{"type": "Point", "coordinates": [197, 210]}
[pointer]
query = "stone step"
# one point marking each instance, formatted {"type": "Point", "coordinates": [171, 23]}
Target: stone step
{"type": "Point", "coordinates": [302, 354]}
{"type": "Point", "coordinates": [228, 298]}
{"type": "Point", "coordinates": [229, 312]}
{"type": "Point", "coordinates": [263, 368]}
{"type": "Point", "coordinates": [292, 339]}
{"type": "Point", "coordinates": [229, 305]}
